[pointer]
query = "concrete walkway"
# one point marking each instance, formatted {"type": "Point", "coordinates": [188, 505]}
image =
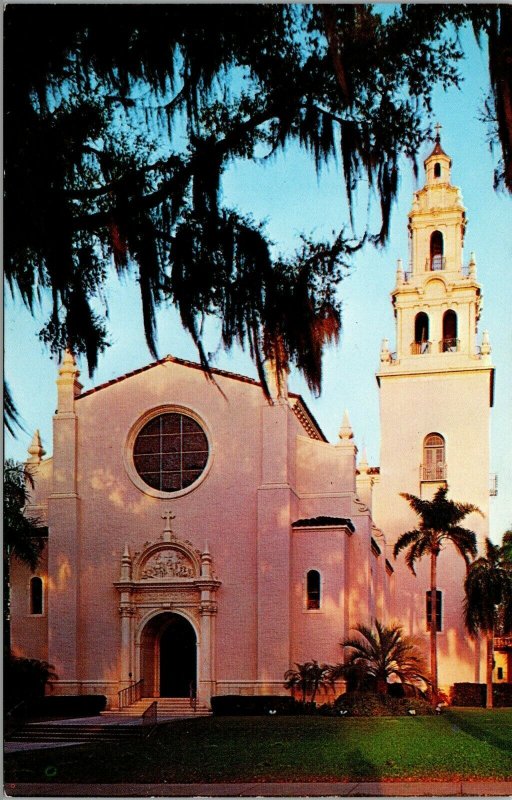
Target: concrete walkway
{"type": "Point", "coordinates": [104, 719]}
{"type": "Point", "coordinates": [361, 789]}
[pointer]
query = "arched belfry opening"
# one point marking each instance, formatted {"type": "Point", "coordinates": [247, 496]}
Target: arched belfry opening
{"type": "Point", "coordinates": [169, 656]}
{"type": "Point", "coordinates": [436, 251]}
{"type": "Point", "coordinates": [450, 341]}
{"type": "Point", "coordinates": [421, 342]}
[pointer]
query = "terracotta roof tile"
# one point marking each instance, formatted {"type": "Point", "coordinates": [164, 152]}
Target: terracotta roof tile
{"type": "Point", "coordinates": [324, 522]}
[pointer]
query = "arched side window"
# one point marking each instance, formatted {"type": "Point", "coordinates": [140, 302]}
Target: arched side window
{"type": "Point", "coordinates": [36, 595]}
{"type": "Point", "coordinates": [450, 343]}
{"type": "Point", "coordinates": [434, 467]}
{"type": "Point", "coordinates": [437, 170]}
{"type": "Point", "coordinates": [313, 590]}
{"type": "Point", "coordinates": [421, 343]}
{"type": "Point", "coordinates": [436, 251]}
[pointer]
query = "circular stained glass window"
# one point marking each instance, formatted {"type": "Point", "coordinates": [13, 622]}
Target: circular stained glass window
{"type": "Point", "coordinates": [170, 452]}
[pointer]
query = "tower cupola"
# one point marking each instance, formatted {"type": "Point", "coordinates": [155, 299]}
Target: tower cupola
{"type": "Point", "coordinates": [438, 164]}
{"type": "Point", "coordinates": [437, 299]}
{"type": "Point", "coordinates": [437, 220]}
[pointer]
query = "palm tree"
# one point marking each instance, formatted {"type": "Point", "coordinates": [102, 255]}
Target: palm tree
{"type": "Point", "coordinates": [506, 545]}
{"type": "Point", "coordinates": [22, 535]}
{"type": "Point", "coordinates": [488, 588]}
{"type": "Point", "coordinates": [439, 523]}
{"type": "Point", "coordinates": [309, 678]}
{"type": "Point", "coordinates": [382, 654]}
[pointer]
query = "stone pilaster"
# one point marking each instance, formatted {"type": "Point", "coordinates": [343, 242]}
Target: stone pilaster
{"type": "Point", "coordinates": [274, 544]}
{"type": "Point", "coordinates": [208, 612]}
{"type": "Point", "coordinates": [63, 522]}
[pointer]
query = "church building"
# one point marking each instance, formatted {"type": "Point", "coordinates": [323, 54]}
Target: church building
{"type": "Point", "coordinates": [203, 539]}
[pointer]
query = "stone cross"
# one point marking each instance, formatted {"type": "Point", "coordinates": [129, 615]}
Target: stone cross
{"type": "Point", "coordinates": [168, 516]}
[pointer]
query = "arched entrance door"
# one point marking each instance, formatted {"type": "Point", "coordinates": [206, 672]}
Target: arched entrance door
{"type": "Point", "coordinates": [177, 658]}
{"type": "Point", "coordinates": [169, 656]}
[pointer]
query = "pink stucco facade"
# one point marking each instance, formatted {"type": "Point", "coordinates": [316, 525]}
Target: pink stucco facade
{"type": "Point", "coordinates": [246, 595]}
{"type": "Point", "coordinates": [215, 574]}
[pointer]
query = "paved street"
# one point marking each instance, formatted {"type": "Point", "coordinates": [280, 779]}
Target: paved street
{"type": "Point", "coordinates": [353, 789]}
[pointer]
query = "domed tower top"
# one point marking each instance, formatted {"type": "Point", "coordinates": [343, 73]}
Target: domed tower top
{"type": "Point", "coordinates": [438, 163]}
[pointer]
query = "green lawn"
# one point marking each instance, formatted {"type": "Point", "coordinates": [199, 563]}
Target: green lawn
{"type": "Point", "coordinates": [460, 744]}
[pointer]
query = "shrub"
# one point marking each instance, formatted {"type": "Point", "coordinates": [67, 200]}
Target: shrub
{"type": "Point", "coordinates": [379, 655]}
{"type": "Point", "coordinates": [473, 694]}
{"type": "Point", "coordinates": [366, 704]}
{"type": "Point", "coordinates": [25, 680]}
{"type": "Point", "coordinates": [242, 705]}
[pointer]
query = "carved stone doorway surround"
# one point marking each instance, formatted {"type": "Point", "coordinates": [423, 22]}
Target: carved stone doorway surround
{"type": "Point", "coordinates": [168, 576]}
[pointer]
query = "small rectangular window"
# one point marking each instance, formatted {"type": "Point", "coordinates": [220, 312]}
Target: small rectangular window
{"type": "Point", "coordinates": [439, 609]}
{"type": "Point", "coordinates": [313, 590]}
{"type": "Point", "coordinates": [500, 673]}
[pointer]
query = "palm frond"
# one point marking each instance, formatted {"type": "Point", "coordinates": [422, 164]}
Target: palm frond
{"type": "Point", "coordinates": [12, 418]}
{"type": "Point", "coordinates": [464, 541]}
{"type": "Point", "coordinates": [418, 505]}
{"type": "Point", "coordinates": [405, 540]}
{"type": "Point", "coordinates": [439, 520]}
{"type": "Point", "coordinates": [382, 653]}
{"type": "Point", "coordinates": [488, 590]}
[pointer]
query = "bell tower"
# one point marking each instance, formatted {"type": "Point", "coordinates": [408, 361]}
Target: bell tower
{"type": "Point", "coordinates": [437, 300]}
{"type": "Point", "coordinates": [436, 390]}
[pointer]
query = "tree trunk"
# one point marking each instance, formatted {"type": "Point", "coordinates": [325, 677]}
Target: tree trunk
{"type": "Point", "coordinates": [433, 626]}
{"type": "Point", "coordinates": [489, 668]}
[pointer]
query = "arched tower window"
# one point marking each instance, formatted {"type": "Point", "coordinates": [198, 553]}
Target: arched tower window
{"type": "Point", "coordinates": [437, 170]}
{"type": "Point", "coordinates": [450, 342]}
{"type": "Point", "coordinates": [421, 343]}
{"type": "Point", "coordinates": [436, 251]}
{"type": "Point", "coordinates": [434, 467]}
{"type": "Point", "coordinates": [313, 590]}
{"type": "Point", "coordinates": [36, 595]}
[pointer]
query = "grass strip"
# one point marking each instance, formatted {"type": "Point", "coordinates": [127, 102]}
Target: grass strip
{"type": "Point", "coordinates": [460, 744]}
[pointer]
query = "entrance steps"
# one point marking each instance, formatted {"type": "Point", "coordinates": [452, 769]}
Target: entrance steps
{"type": "Point", "coordinates": [166, 707]}
{"type": "Point", "coordinates": [64, 733]}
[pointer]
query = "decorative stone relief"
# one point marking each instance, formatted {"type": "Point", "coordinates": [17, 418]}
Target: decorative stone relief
{"type": "Point", "coordinates": [167, 564]}
{"type": "Point", "coordinates": [126, 611]}
{"type": "Point", "coordinates": [160, 598]}
{"type": "Point", "coordinates": [208, 607]}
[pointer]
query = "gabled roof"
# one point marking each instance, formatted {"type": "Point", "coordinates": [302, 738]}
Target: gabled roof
{"type": "Point", "coordinates": [297, 403]}
{"type": "Point", "coordinates": [166, 359]}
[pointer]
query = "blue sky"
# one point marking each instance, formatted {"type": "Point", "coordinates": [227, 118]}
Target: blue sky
{"type": "Point", "coordinates": [290, 197]}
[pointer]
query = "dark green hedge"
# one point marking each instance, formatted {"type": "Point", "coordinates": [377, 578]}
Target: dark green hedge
{"type": "Point", "coordinates": [84, 705]}
{"type": "Point", "coordinates": [25, 680]}
{"type": "Point", "coordinates": [369, 704]}
{"type": "Point", "coordinates": [473, 694]}
{"type": "Point", "coordinates": [243, 705]}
